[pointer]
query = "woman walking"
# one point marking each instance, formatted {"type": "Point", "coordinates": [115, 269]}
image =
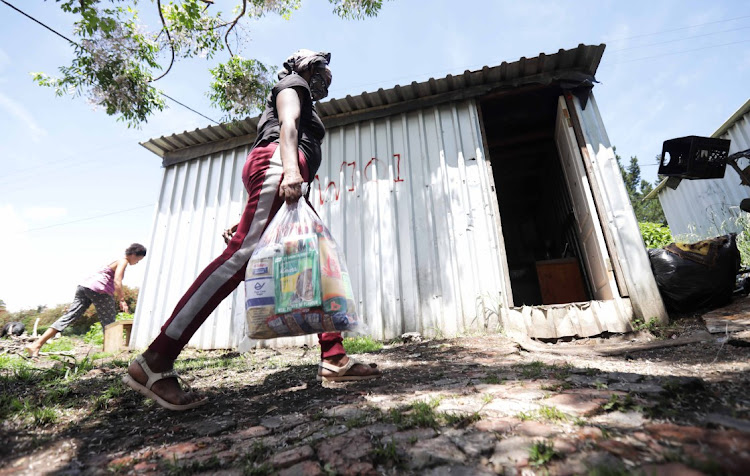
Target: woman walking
{"type": "Point", "coordinates": [285, 155]}
{"type": "Point", "coordinates": [102, 289]}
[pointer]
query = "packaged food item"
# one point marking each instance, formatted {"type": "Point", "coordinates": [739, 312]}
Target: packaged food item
{"type": "Point", "coordinates": [296, 281]}
{"type": "Point", "coordinates": [260, 294]}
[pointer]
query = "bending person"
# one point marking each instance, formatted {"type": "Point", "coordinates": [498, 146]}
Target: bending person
{"type": "Point", "coordinates": [102, 289]}
{"type": "Point", "coordinates": [285, 154]}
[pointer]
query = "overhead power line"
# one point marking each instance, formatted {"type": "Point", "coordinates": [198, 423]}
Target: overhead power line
{"type": "Point", "coordinates": [678, 39]}
{"type": "Point", "coordinates": [680, 52]}
{"type": "Point", "coordinates": [479, 65]}
{"type": "Point", "coordinates": [78, 45]}
{"type": "Point", "coordinates": [87, 218]}
{"type": "Point", "coordinates": [680, 29]}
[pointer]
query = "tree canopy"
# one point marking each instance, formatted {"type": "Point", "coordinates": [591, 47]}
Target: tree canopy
{"type": "Point", "coordinates": [645, 210]}
{"type": "Point", "coordinates": [118, 58]}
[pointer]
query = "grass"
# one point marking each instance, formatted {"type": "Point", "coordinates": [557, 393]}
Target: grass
{"type": "Point", "coordinates": [61, 344]}
{"type": "Point", "coordinates": [541, 453]}
{"type": "Point", "coordinates": [416, 414]}
{"type": "Point", "coordinates": [537, 369]}
{"type": "Point", "coordinates": [532, 370]}
{"type": "Point", "coordinates": [388, 455]}
{"type": "Point", "coordinates": [255, 462]}
{"type": "Point", "coordinates": [175, 468]}
{"type": "Point", "coordinates": [651, 326]}
{"type": "Point", "coordinates": [491, 380]}
{"type": "Point", "coordinates": [460, 420]}
{"type": "Point", "coordinates": [361, 345]}
{"type": "Point", "coordinates": [622, 405]}
{"type": "Point", "coordinates": [543, 413]}
{"type": "Point", "coordinates": [422, 414]}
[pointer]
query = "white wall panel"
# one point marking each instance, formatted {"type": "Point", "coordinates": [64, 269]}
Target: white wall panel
{"type": "Point", "coordinates": [198, 200]}
{"type": "Point", "coordinates": [409, 199]}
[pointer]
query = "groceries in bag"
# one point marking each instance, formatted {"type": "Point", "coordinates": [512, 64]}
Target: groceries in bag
{"type": "Point", "coordinates": [296, 282]}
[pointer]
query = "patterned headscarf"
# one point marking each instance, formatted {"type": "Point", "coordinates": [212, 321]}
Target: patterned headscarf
{"type": "Point", "coordinates": [303, 59]}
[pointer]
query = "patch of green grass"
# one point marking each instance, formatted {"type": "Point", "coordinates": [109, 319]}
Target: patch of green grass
{"type": "Point", "coordinates": [640, 325]}
{"type": "Point", "coordinates": [417, 414]}
{"type": "Point", "coordinates": [43, 416]}
{"type": "Point", "coordinates": [112, 392]}
{"type": "Point", "coordinates": [356, 422]}
{"type": "Point", "coordinates": [623, 405]}
{"type": "Point", "coordinates": [460, 420]}
{"type": "Point", "coordinates": [95, 334]}
{"type": "Point", "coordinates": [254, 463]}
{"type": "Point", "coordinates": [491, 380]}
{"type": "Point", "coordinates": [361, 345]}
{"type": "Point", "coordinates": [580, 422]}
{"type": "Point", "coordinates": [61, 344]}
{"type": "Point", "coordinates": [557, 387]}
{"type": "Point", "coordinates": [543, 413]}
{"type": "Point", "coordinates": [9, 406]}
{"type": "Point", "coordinates": [56, 394]}
{"type": "Point", "coordinates": [185, 468]}
{"type": "Point", "coordinates": [487, 398]}
{"type": "Point", "coordinates": [532, 370]}
{"type": "Point", "coordinates": [388, 455]}
{"type": "Point", "coordinates": [541, 453]}
{"type": "Point", "coordinates": [561, 372]}
{"type": "Point", "coordinates": [12, 362]}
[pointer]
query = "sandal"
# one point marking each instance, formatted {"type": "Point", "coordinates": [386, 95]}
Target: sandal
{"type": "Point", "coordinates": [154, 377]}
{"type": "Point", "coordinates": [341, 372]}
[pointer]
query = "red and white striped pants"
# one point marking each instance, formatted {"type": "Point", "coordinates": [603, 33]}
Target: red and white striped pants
{"type": "Point", "coordinates": [261, 175]}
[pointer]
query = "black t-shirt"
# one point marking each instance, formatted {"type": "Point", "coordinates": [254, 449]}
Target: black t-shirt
{"type": "Point", "coordinates": [311, 129]}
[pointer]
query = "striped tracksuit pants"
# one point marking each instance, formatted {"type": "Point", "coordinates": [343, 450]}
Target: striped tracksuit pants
{"type": "Point", "coordinates": [261, 175]}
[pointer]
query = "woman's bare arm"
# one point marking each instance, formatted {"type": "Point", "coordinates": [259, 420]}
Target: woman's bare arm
{"type": "Point", "coordinates": [289, 108]}
{"type": "Point", "coordinates": [119, 274]}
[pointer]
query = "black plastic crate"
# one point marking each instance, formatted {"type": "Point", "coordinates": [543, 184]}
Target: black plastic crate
{"type": "Point", "coordinates": [694, 157]}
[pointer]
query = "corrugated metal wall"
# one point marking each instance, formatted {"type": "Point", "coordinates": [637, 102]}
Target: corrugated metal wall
{"type": "Point", "coordinates": [703, 208]}
{"type": "Point", "coordinates": [198, 200]}
{"type": "Point", "coordinates": [407, 196]}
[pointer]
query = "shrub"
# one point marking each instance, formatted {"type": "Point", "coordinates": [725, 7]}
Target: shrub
{"type": "Point", "coordinates": [95, 334]}
{"type": "Point", "coordinates": [361, 344]}
{"type": "Point", "coordinates": [655, 235]}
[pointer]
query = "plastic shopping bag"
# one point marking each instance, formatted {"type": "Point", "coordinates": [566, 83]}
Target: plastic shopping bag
{"type": "Point", "coordinates": [296, 282]}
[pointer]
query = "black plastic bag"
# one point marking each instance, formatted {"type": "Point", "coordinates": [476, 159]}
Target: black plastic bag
{"type": "Point", "coordinates": [698, 275]}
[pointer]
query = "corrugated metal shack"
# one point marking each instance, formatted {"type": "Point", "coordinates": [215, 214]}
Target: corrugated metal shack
{"type": "Point", "coordinates": [486, 199]}
{"type": "Point", "coordinates": [705, 208]}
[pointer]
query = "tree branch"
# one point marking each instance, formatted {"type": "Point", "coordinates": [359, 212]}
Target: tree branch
{"type": "Point", "coordinates": [234, 23]}
{"type": "Point", "coordinates": [169, 40]}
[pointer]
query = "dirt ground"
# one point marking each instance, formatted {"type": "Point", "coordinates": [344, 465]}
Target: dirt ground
{"type": "Point", "coordinates": [472, 405]}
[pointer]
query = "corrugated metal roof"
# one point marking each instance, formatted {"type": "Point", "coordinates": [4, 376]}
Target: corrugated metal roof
{"type": "Point", "coordinates": [541, 69]}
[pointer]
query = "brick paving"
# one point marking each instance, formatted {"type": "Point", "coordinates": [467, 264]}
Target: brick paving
{"type": "Point", "coordinates": [441, 412]}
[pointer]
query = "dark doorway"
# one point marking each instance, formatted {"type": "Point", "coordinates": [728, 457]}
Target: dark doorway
{"type": "Point", "coordinates": [541, 242]}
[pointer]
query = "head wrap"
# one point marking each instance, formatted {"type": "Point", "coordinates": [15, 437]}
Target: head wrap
{"type": "Point", "coordinates": [301, 60]}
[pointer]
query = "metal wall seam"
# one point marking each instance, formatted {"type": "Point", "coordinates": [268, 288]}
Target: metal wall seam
{"type": "Point", "coordinates": [489, 199]}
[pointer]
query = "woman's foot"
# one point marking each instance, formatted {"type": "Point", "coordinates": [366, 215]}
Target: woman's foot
{"type": "Point", "coordinates": [342, 368]}
{"type": "Point", "coordinates": [31, 351]}
{"type": "Point", "coordinates": [166, 390]}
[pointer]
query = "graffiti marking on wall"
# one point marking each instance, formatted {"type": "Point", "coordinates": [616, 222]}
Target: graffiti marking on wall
{"type": "Point", "coordinates": [324, 196]}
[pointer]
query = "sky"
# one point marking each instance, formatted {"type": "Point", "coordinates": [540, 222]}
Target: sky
{"type": "Point", "coordinates": [76, 188]}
